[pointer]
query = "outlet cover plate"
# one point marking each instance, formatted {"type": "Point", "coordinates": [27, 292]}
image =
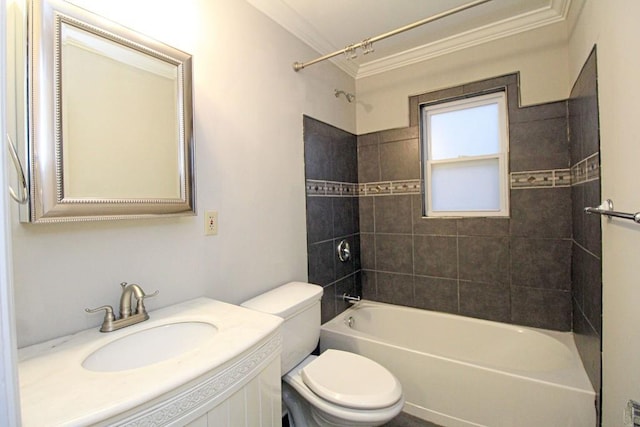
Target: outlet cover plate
{"type": "Point", "coordinates": [210, 223]}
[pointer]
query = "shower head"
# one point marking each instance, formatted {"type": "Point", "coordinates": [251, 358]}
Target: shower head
{"type": "Point", "coordinates": [350, 97]}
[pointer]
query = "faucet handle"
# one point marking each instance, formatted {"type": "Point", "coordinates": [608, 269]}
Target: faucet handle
{"type": "Point", "coordinates": [107, 308]}
{"type": "Point", "coordinates": [140, 305]}
{"type": "Point", "coordinates": [109, 317]}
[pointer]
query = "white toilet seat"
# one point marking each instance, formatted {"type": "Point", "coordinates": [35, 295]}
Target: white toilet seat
{"type": "Point", "coordinates": [334, 411]}
{"type": "Point", "coordinates": [351, 380]}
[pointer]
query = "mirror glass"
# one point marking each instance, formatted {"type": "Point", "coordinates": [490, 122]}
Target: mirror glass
{"type": "Point", "coordinates": [111, 114]}
{"type": "Point", "coordinates": [101, 108]}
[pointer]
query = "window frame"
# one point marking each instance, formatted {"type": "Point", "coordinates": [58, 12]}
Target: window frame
{"type": "Point", "coordinates": [458, 104]}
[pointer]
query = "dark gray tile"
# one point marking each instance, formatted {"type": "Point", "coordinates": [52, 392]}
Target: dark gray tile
{"type": "Point", "coordinates": [328, 304]}
{"type": "Point", "coordinates": [483, 227]}
{"type": "Point", "coordinates": [541, 263]}
{"type": "Point", "coordinates": [593, 291]}
{"type": "Point", "coordinates": [393, 214]}
{"type": "Point", "coordinates": [578, 270]}
{"type": "Point", "coordinates": [368, 163]}
{"type": "Point", "coordinates": [541, 308]}
{"type": "Point", "coordinates": [358, 279]}
{"type": "Point", "coordinates": [317, 156]}
{"type": "Point", "coordinates": [589, 344]}
{"type": "Point", "coordinates": [356, 252]}
{"type": "Point", "coordinates": [366, 214]}
{"type": "Point", "coordinates": [347, 267]}
{"type": "Point", "coordinates": [369, 289]}
{"type": "Point", "coordinates": [541, 212]}
{"type": "Point", "coordinates": [485, 301]}
{"type": "Point", "coordinates": [400, 160]}
{"type": "Point", "coordinates": [436, 256]}
{"type": "Point", "coordinates": [432, 293]}
{"type": "Point", "coordinates": [355, 203]}
{"type": "Point", "coordinates": [372, 138]}
{"type": "Point", "coordinates": [398, 134]}
{"type": "Point", "coordinates": [592, 223]}
{"type": "Point", "coordinates": [538, 145]}
{"type": "Point", "coordinates": [321, 263]}
{"type": "Point", "coordinates": [395, 288]}
{"type": "Point", "coordinates": [394, 253]}
{"type": "Point", "coordinates": [319, 219]}
{"type": "Point", "coordinates": [576, 130]}
{"type": "Point", "coordinates": [484, 259]}
{"type": "Point", "coordinates": [343, 216]}
{"type": "Point", "coordinates": [345, 160]}
{"type": "Point", "coordinates": [344, 286]}
{"type": "Point", "coordinates": [330, 153]}
{"type": "Point", "coordinates": [413, 111]}
{"type": "Point", "coordinates": [508, 80]}
{"type": "Point", "coordinates": [440, 95]}
{"type": "Point", "coordinates": [578, 216]}
{"type": "Point", "coordinates": [368, 251]}
{"type": "Point", "coordinates": [431, 226]}
{"type": "Point", "coordinates": [583, 112]}
{"type": "Point", "coordinates": [539, 112]}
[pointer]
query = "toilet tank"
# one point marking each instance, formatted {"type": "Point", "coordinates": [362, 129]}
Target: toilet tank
{"type": "Point", "coordinates": [299, 305]}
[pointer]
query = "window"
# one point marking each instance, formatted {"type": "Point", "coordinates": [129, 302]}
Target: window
{"type": "Point", "coordinates": [465, 151]}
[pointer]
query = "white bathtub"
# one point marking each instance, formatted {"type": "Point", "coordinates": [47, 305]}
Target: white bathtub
{"type": "Point", "coordinates": [459, 371]}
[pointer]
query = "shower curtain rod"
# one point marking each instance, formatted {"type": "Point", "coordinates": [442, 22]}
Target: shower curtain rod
{"type": "Point", "coordinates": [366, 44]}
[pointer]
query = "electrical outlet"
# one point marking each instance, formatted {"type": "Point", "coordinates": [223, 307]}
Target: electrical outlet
{"type": "Point", "coordinates": [210, 223]}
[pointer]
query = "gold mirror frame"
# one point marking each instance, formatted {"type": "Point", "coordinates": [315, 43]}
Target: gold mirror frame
{"type": "Point", "coordinates": [50, 197]}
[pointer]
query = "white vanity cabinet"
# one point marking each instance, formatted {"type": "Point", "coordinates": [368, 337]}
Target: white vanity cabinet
{"type": "Point", "coordinates": [230, 378]}
{"type": "Point", "coordinates": [256, 404]}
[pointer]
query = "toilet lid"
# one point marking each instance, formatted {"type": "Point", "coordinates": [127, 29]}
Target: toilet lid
{"type": "Point", "coordinates": [351, 380]}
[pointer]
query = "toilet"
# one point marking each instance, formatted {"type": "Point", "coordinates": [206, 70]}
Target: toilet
{"type": "Point", "coordinates": [336, 388]}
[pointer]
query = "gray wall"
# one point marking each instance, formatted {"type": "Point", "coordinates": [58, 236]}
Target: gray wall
{"type": "Point", "coordinates": [515, 270]}
{"type": "Point", "coordinates": [331, 172]}
{"type": "Point", "coordinates": [584, 139]}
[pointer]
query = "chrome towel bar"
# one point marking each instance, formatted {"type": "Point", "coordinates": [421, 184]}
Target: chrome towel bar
{"type": "Point", "coordinates": [606, 208]}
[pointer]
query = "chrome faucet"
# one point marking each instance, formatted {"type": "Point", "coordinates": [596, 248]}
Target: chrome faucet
{"type": "Point", "coordinates": [127, 318]}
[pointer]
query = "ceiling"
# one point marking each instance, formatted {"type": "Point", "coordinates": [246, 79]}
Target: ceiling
{"type": "Point", "coordinates": [331, 25]}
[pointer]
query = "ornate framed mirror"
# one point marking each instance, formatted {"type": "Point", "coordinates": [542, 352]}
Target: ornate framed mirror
{"type": "Point", "coordinates": [110, 120]}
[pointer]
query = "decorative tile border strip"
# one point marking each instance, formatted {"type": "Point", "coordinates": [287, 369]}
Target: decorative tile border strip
{"type": "Point", "coordinates": [383, 188]}
{"type": "Point", "coordinates": [348, 189]}
{"type": "Point", "coordinates": [331, 188]}
{"type": "Point", "coordinates": [586, 170]}
{"type": "Point", "coordinates": [541, 179]}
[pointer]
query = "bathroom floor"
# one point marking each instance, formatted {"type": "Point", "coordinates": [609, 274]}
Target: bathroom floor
{"type": "Point", "coordinates": [402, 420]}
{"type": "Point", "coordinates": [406, 420]}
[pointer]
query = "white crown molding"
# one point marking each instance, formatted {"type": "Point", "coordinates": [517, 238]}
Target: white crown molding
{"type": "Point", "coordinates": [555, 12]}
{"type": "Point", "coordinates": [293, 22]}
{"type": "Point", "coordinates": [280, 12]}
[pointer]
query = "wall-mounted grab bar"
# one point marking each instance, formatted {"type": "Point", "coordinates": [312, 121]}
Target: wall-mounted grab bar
{"type": "Point", "coordinates": [24, 192]}
{"type": "Point", "coordinates": [606, 208]}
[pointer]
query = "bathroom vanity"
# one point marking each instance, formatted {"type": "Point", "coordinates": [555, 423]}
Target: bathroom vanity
{"type": "Point", "coordinates": [199, 363]}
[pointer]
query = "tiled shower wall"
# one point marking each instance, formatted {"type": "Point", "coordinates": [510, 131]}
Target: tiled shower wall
{"type": "Point", "coordinates": [516, 269]}
{"type": "Point", "coordinates": [587, 237]}
{"type": "Point", "coordinates": [331, 172]}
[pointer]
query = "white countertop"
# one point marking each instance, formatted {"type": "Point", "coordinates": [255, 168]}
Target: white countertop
{"type": "Point", "coordinates": [56, 390]}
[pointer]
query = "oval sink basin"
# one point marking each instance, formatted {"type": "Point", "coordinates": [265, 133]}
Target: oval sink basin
{"type": "Point", "coordinates": [149, 346]}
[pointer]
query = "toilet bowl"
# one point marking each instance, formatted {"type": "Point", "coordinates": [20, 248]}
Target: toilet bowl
{"type": "Point", "coordinates": [336, 388]}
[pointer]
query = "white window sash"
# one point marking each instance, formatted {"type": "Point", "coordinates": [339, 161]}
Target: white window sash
{"type": "Point", "coordinates": [502, 156]}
